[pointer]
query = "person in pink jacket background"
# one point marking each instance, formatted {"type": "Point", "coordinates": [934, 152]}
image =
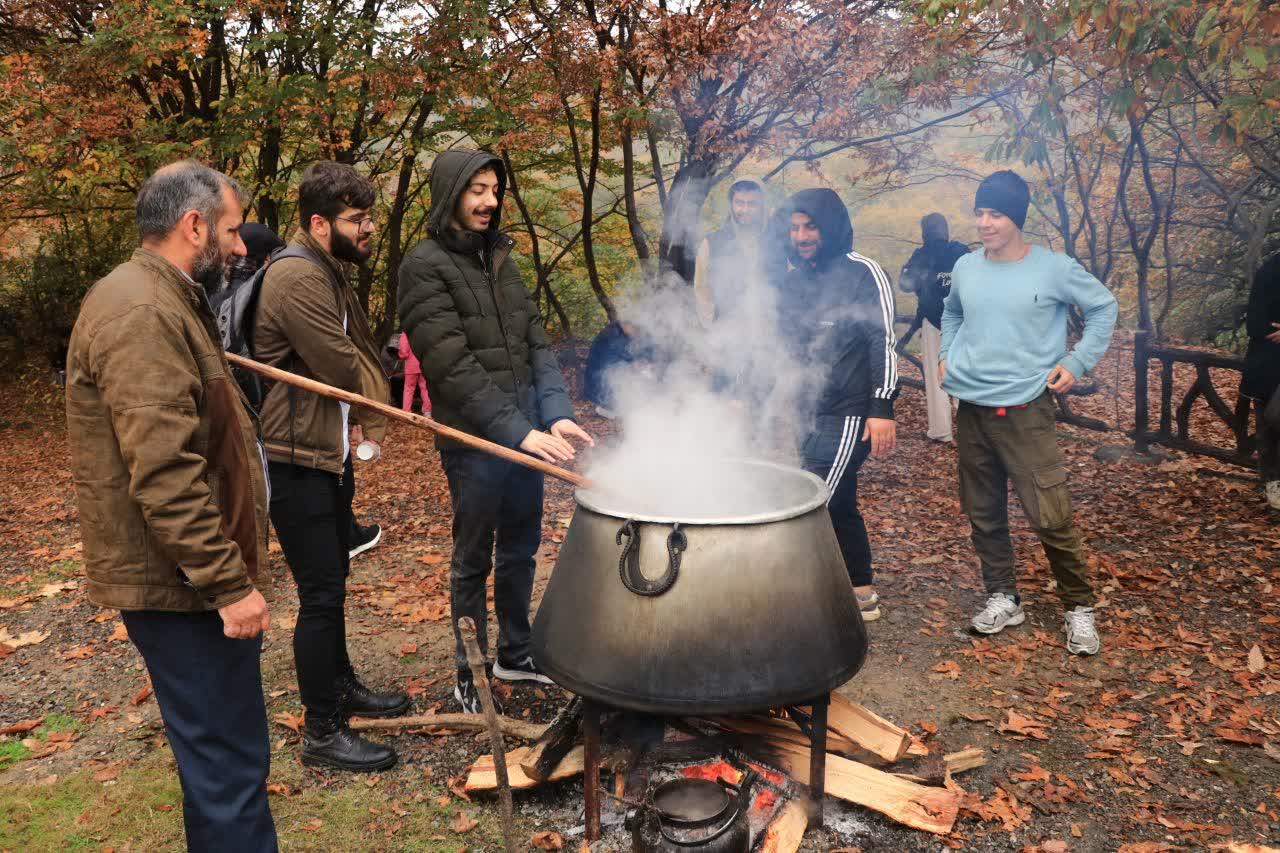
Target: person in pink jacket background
{"type": "Point", "coordinates": [412, 378]}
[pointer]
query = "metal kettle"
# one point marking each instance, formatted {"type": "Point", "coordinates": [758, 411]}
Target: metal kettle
{"type": "Point", "coordinates": [688, 815]}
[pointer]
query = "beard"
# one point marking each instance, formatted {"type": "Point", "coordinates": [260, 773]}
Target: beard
{"type": "Point", "coordinates": [209, 268]}
{"type": "Point", "coordinates": [345, 249]}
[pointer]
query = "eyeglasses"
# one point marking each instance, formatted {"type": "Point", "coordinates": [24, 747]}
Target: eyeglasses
{"type": "Point", "coordinates": [361, 223]}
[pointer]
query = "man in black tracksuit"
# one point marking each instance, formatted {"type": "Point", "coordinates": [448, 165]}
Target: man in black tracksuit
{"type": "Point", "coordinates": [836, 312]}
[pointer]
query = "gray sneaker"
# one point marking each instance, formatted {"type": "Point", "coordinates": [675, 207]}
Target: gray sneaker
{"type": "Point", "coordinates": [1001, 611]}
{"type": "Point", "coordinates": [1082, 634]}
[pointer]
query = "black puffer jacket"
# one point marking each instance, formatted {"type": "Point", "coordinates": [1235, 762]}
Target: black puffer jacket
{"type": "Point", "coordinates": [1262, 362]}
{"type": "Point", "coordinates": [472, 323]}
{"type": "Point", "coordinates": [836, 312]}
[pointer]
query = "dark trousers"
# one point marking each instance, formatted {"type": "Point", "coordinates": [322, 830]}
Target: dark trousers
{"type": "Point", "coordinates": [1020, 445]}
{"type": "Point", "coordinates": [835, 450]}
{"type": "Point", "coordinates": [1269, 445]}
{"type": "Point", "coordinates": [495, 503]}
{"type": "Point", "coordinates": [209, 689]}
{"type": "Point", "coordinates": [311, 512]}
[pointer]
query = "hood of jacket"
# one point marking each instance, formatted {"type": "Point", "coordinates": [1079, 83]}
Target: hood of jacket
{"type": "Point", "coordinates": [450, 174]}
{"type": "Point", "coordinates": [825, 208]}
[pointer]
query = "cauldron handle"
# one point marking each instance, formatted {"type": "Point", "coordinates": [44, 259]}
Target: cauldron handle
{"type": "Point", "coordinates": [629, 563]}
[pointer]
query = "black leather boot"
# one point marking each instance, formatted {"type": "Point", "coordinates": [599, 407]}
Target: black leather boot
{"type": "Point", "coordinates": [360, 701]}
{"type": "Point", "coordinates": [331, 743]}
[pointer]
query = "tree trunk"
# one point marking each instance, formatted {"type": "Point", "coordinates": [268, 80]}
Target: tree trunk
{"type": "Point", "coordinates": [682, 216]}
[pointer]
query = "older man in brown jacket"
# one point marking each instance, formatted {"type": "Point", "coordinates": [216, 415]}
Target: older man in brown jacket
{"type": "Point", "coordinates": [309, 322]}
{"type": "Point", "coordinates": [172, 495]}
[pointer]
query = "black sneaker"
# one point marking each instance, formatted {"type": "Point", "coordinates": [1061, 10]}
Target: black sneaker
{"type": "Point", "coordinates": [363, 538]}
{"type": "Point", "coordinates": [469, 697]}
{"type": "Point", "coordinates": [525, 670]}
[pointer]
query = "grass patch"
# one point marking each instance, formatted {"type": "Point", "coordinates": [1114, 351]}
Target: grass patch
{"type": "Point", "coordinates": [57, 723]}
{"type": "Point", "coordinates": [11, 752]}
{"type": "Point", "coordinates": [142, 810]}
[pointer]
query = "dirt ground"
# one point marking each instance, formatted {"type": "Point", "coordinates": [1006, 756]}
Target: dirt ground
{"type": "Point", "coordinates": [1168, 740]}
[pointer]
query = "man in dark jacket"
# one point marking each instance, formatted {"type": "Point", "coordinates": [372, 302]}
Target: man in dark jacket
{"type": "Point", "coordinates": [927, 275]}
{"type": "Point", "coordinates": [173, 498]}
{"type": "Point", "coordinates": [309, 322]}
{"type": "Point", "coordinates": [729, 259]}
{"type": "Point", "coordinates": [479, 336]}
{"type": "Point", "coordinates": [836, 312]}
{"type": "Point", "coordinates": [1261, 379]}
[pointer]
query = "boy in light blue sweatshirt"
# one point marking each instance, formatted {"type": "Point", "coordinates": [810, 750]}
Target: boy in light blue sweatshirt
{"type": "Point", "coordinates": [1004, 348]}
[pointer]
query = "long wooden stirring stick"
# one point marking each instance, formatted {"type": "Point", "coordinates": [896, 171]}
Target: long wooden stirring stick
{"type": "Point", "coordinates": [390, 411]}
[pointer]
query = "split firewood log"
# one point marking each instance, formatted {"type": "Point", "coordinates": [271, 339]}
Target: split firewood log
{"type": "Point", "coordinates": [786, 830]}
{"type": "Point", "coordinates": [920, 807]}
{"type": "Point", "coordinates": [555, 743]}
{"type": "Point", "coordinates": [483, 775]}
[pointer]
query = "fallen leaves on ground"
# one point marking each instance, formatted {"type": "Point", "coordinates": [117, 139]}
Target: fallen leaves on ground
{"type": "Point", "coordinates": [547, 841]}
{"type": "Point", "coordinates": [463, 822]}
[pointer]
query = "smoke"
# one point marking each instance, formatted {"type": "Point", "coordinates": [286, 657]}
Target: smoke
{"type": "Point", "coordinates": [700, 399]}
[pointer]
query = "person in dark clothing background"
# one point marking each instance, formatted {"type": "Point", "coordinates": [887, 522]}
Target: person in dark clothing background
{"type": "Point", "coordinates": [479, 336]}
{"type": "Point", "coordinates": [927, 274]}
{"type": "Point", "coordinates": [835, 310]}
{"type": "Point", "coordinates": [728, 261]}
{"type": "Point", "coordinates": [612, 347]}
{"type": "Point", "coordinates": [260, 241]}
{"type": "Point", "coordinates": [1261, 378]}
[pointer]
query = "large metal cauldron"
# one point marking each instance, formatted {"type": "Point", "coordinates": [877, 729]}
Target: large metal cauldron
{"type": "Point", "coordinates": [703, 615]}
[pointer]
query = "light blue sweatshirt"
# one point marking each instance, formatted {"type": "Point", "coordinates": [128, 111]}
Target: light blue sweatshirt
{"type": "Point", "coordinates": [1004, 325]}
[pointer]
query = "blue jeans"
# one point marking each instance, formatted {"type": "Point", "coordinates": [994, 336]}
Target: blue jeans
{"type": "Point", "coordinates": [209, 689]}
{"type": "Point", "coordinates": [835, 450]}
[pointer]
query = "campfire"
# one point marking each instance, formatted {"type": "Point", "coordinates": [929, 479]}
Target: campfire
{"type": "Point", "coordinates": [631, 761]}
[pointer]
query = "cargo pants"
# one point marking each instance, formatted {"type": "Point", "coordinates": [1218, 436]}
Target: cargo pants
{"type": "Point", "coordinates": [1019, 444]}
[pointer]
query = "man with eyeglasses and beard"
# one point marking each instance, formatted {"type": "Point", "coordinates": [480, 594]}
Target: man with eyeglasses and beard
{"type": "Point", "coordinates": [173, 497]}
{"type": "Point", "coordinates": [309, 322]}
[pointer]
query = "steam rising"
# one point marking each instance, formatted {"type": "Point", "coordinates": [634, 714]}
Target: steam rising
{"type": "Point", "coordinates": [709, 399]}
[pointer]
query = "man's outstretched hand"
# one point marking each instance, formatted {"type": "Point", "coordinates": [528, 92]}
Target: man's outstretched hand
{"type": "Point", "coordinates": [553, 446]}
{"type": "Point", "coordinates": [566, 429]}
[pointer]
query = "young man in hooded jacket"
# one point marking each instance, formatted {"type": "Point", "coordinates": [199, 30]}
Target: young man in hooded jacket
{"type": "Point", "coordinates": [486, 357]}
{"type": "Point", "coordinates": [836, 312]}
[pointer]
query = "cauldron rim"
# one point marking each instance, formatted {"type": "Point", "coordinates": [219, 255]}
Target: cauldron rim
{"type": "Point", "coordinates": [599, 503]}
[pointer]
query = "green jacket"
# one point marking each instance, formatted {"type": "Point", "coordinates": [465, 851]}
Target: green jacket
{"type": "Point", "coordinates": [472, 323]}
{"type": "Point", "coordinates": [299, 328]}
{"type": "Point", "coordinates": [168, 475]}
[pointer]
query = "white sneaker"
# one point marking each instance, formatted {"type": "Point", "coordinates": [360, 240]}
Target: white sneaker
{"type": "Point", "coordinates": [1001, 611]}
{"type": "Point", "coordinates": [1273, 493]}
{"type": "Point", "coordinates": [869, 606]}
{"type": "Point", "coordinates": [1082, 634]}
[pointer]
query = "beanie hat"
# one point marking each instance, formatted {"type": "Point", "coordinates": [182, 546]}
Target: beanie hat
{"type": "Point", "coordinates": [1006, 192]}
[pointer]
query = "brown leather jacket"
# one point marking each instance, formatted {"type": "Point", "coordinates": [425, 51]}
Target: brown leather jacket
{"type": "Point", "coordinates": [298, 328]}
{"type": "Point", "coordinates": [164, 455]}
